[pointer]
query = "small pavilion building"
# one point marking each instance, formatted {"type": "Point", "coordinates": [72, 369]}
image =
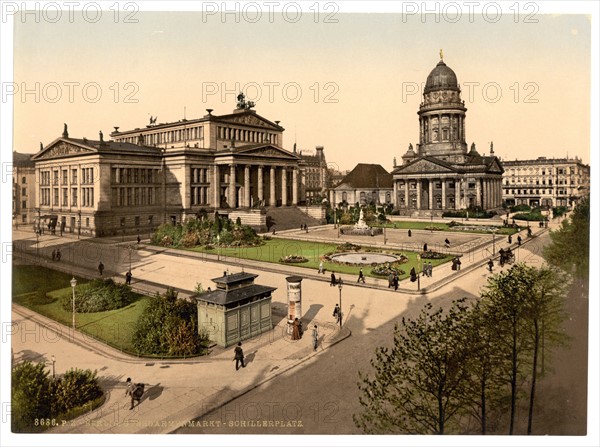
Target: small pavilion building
{"type": "Point", "coordinates": [237, 310]}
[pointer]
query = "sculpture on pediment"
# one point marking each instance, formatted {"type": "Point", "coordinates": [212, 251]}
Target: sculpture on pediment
{"type": "Point", "coordinates": [242, 103]}
{"type": "Point", "coordinates": [65, 133]}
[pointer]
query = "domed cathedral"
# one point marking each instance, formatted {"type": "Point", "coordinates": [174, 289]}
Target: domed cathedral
{"type": "Point", "coordinates": [442, 173]}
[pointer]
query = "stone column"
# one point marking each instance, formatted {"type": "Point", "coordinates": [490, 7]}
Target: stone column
{"type": "Point", "coordinates": [216, 187]}
{"type": "Point", "coordinates": [272, 200]}
{"type": "Point", "coordinates": [485, 192]}
{"type": "Point", "coordinates": [232, 192]}
{"type": "Point", "coordinates": [284, 186]}
{"type": "Point", "coordinates": [478, 192]}
{"type": "Point", "coordinates": [295, 187]}
{"type": "Point", "coordinates": [260, 185]}
{"type": "Point", "coordinates": [419, 194]}
{"type": "Point", "coordinates": [247, 186]}
{"type": "Point", "coordinates": [457, 186]}
{"type": "Point", "coordinates": [443, 193]}
{"type": "Point", "coordinates": [431, 189]}
{"type": "Point", "coordinates": [406, 204]}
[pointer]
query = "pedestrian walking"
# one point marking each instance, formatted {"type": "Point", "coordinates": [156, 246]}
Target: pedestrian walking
{"type": "Point", "coordinates": [430, 269]}
{"type": "Point", "coordinates": [100, 268]}
{"type": "Point", "coordinates": [321, 268]}
{"type": "Point", "coordinates": [128, 278]}
{"type": "Point", "coordinates": [413, 275]}
{"type": "Point", "coordinates": [409, 233]}
{"type": "Point", "coordinates": [239, 356]}
{"type": "Point", "coordinates": [300, 328]}
{"type": "Point", "coordinates": [333, 280]}
{"type": "Point", "coordinates": [315, 337]}
{"type": "Point", "coordinates": [139, 239]}
{"type": "Point", "coordinates": [490, 265]}
{"type": "Point", "coordinates": [447, 243]}
{"type": "Point", "coordinates": [510, 238]}
{"type": "Point", "coordinates": [54, 255]}
{"type": "Point", "coordinates": [425, 247]}
{"type": "Point", "coordinates": [519, 240]}
{"type": "Point", "coordinates": [58, 254]}
{"type": "Point", "coordinates": [390, 280]}
{"type": "Point", "coordinates": [458, 263]}
{"type": "Point", "coordinates": [134, 391]}
{"type": "Point", "coordinates": [336, 313]}
{"type": "Point", "coordinates": [361, 277]}
{"type": "Point", "coordinates": [395, 281]}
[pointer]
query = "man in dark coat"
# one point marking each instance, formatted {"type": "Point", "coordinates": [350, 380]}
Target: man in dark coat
{"type": "Point", "coordinates": [239, 356]}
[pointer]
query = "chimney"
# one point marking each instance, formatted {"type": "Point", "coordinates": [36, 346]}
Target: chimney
{"type": "Point", "coordinates": [319, 150]}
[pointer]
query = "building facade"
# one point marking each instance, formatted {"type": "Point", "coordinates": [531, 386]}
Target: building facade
{"type": "Point", "coordinates": [545, 182]}
{"type": "Point", "coordinates": [316, 180]}
{"type": "Point", "coordinates": [166, 173]}
{"type": "Point", "coordinates": [366, 184]}
{"type": "Point", "coordinates": [23, 189]}
{"type": "Point", "coordinates": [442, 174]}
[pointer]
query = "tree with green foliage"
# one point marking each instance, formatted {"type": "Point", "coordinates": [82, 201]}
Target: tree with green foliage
{"type": "Point", "coordinates": [169, 326]}
{"type": "Point", "coordinates": [74, 389]}
{"type": "Point", "coordinates": [570, 246]}
{"type": "Point", "coordinates": [505, 296]}
{"type": "Point", "coordinates": [30, 395]}
{"type": "Point", "coordinates": [485, 391]}
{"type": "Point", "coordinates": [545, 315]}
{"type": "Point", "coordinates": [419, 382]}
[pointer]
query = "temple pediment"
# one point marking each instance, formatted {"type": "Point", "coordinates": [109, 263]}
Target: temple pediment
{"type": "Point", "coordinates": [249, 119]}
{"type": "Point", "coordinates": [495, 167]}
{"type": "Point", "coordinates": [60, 149]}
{"type": "Point", "coordinates": [267, 151]}
{"type": "Point", "coordinates": [423, 166]}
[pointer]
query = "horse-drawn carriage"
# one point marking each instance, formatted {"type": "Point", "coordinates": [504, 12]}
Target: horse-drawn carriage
{"type": "Point", "coordinates": [506, 256]}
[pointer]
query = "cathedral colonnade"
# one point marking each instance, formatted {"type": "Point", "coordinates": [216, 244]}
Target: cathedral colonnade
{"type": "Point", "coordinates": [447, 193]}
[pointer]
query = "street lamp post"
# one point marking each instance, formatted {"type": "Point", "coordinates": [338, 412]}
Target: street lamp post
{"type": "Point", "coordinates": [494, 242]}
{"type": "Point", "coordinates": [340, 289]}
{"type": "Point", "coordinates": [384, 235]}
{"type": "Point", "coordinates": [338, 227]}
{"type": "Point", "coordinates": [79, 226]}
{"type": "Point", "coordinates": [418, 272]}
{"type": "Point", "coordinates": [53, 362]}
{"type": "Point", "coordinates": [73, 284]}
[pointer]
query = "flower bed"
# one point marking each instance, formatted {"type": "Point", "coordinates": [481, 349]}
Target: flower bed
{"type": "Point", "coordinates": [432, 255]}
{"type": "Point", "coordinates": [387, 269]}
{"type": "Point", "coordinates": [293, 259]}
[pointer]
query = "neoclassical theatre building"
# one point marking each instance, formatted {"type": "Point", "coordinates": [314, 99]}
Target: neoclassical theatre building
{"type": "Point", "coordinates": [141, 178]}
{"type": "Point", "coordinates": [442, 173]}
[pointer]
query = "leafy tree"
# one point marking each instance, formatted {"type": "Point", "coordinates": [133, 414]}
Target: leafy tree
{"type": "Point", "coordinates": [506, 295]}
{"type": "Point", "coordinates": [419, 382]}
{"type": "Point", "coordinates": [169, 326]}
{"type": "Point", "coordinates": [545, 315]}
{"type": "Point", "coordinates": [30, 395]}
{"type": "Point", "coordinates": [485, 391]}
{"type": "Point", "coordinates": [570, 246]}
{"type": "Point", "coordinates": [74, 389]}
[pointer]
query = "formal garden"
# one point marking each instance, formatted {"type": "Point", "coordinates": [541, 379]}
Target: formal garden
{"type": "Point", "coordinates": [226, 240]}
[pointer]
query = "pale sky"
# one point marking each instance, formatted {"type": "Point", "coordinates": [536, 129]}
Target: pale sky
{"type": "Point", "coordinates": [526, 85]}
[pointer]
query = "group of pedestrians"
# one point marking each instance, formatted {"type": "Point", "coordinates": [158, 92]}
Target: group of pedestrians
{"type": "Point", "coordinates": [393, 281]}
{"type": "Point", "coordinates": [427, 269]}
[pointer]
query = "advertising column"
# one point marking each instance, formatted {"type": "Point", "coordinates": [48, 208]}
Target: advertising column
{"type": "Point", "coordinates": [294, 295]}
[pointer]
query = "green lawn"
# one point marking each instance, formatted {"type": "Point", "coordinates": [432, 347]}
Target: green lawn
{"type": "Point", "coordinates": [41, 289]}
{"type": "Point", "coordinates": [275, 249]}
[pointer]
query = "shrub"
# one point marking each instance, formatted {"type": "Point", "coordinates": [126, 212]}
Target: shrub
{"type": "Point", "coordinates": [519, 208]}
{"type": "Point", "coordinates": [169, 326]}
{"type": "Point", "coordinates": [74, 389]}
{"type": "Point", "coordinates": [386, 269]}
{"type": "Point", "coordinates": [293, 259]}
{"type": "Point", "coordinates": [99, 296]}
{"type": "Point", "coordinates": [432, 255]}
{"type": "Point", "coordinates": [30, 393]}
{"type": "Point", "coordinates": [347, 246]}
{"type": "Point", "coordinates": [529, 216]}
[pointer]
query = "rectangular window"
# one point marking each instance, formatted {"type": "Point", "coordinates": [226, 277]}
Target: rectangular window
{"type": "Point", "coordinates": [23, 191]}
{"type": "Point", "coordinates": [65, 179]}
{"type": "Point", "coordinates": [73, 196]}
{"type": "Point", "coordinates": [55, 198]}
{"type": "Point", "coordinates": [24, 204]}
{"type": "Point", "coordinates": [74, 176]}
{"type": "Point", "coordinates": [24, 180]}
{"type": "Point", "coordinates": [87, 221]}
{"type": "Point", "coordinates": [65, 200]}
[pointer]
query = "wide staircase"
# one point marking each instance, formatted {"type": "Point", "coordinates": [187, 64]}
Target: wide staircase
{"type": "Point", "coordinates": [288, 218]}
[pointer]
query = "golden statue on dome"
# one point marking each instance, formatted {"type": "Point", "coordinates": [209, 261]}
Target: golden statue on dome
{"type": "Point", "coordinates": [441, 54]}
